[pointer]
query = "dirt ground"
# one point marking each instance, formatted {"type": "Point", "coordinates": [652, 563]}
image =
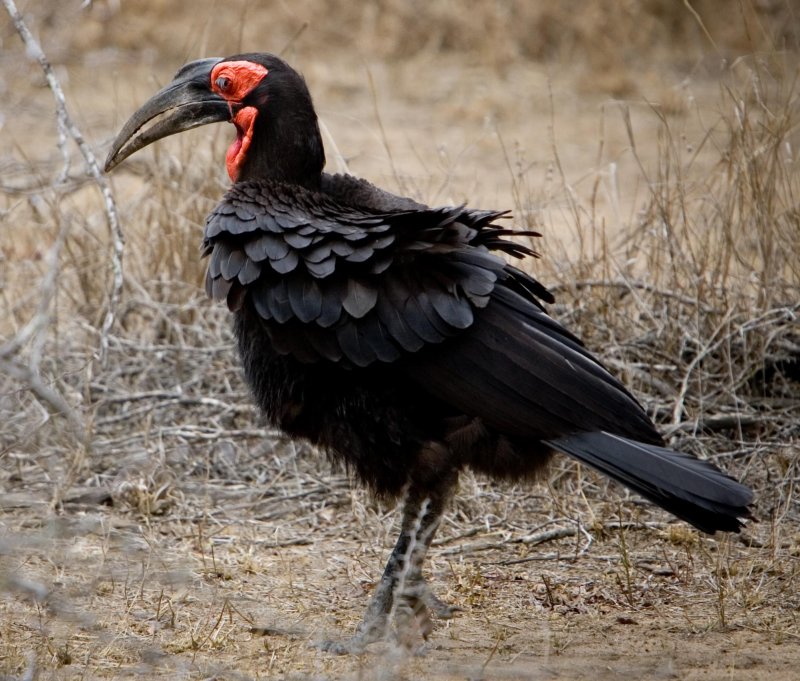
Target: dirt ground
{"type": "Point", "coordinates": [187, 541]}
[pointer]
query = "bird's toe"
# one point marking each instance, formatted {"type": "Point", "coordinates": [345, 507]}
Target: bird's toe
{"type": "Point", "coordinates": [442, 610]}
{"type": "Point", "coordinates": [352, 646]}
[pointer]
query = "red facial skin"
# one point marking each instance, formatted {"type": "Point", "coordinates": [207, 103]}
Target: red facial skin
{"type": "Point", "coordinates": [234, 80]}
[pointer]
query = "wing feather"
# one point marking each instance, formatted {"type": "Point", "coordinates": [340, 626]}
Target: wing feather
{"type": "Point", "coordinates": [304, 297]}
{"type": "Point", "coordinates": [360, 297]}
{"type": "Point", "coordinates": [355, 283]}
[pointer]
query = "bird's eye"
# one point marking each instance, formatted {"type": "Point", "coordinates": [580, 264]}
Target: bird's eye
{"type": "Point", "coordinates": [223, 83]}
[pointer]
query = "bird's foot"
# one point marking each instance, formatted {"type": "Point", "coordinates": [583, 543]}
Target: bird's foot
{"type": "Point", "coordinates": [442, 610]}
{"type": "Point", "coordinates": [411, 609]}
{"type": "Point", "coordinates": [414, 609]}
{"type": "Point", "coordinates": [372, 628]}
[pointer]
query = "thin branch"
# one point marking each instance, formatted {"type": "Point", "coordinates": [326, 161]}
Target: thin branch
{"type": "Point", "coordinates": [544, 537]}
{"type": "Point", "coordinates": [716, 422]}
{"type": "Point", "coordinates": [341, 162]}
{"type": "Point", "coordinates": [373, 91]}
{"type": "Point", "coordinates": [44, 392]}
{"type": "Point", "coordinates": [40, 320]}
{"type": "Point", "coordinates": [66, 126]}
{"type": "Point", "coordinates": [628, 285]}
{"type": "Point", "coordinates": [697, 18]}
{"type": "Point", "coordinates": [292, 40]}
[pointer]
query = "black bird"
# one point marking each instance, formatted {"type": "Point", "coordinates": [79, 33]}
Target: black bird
{"type": "Point", "coordinates": [394, 336]}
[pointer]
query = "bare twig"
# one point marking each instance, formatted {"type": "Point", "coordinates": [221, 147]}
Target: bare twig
{"type": "Point", "coordinates": [66, 126]}
{"type": "Point", "coordinates": [292, 40]}
{"type": "Point", "coordinates": [715, 422]}
{"type": "Point", "coordinates": [628, 285]}
{"type": "Point", "coordinates": [35, 328]}
{"type": "Point", "coordinates": [341, 162]}
{"type": "Point", "coordinates": [384, 138]}
{"type": "Point", "coordinates": [543, 537]}
{"type": "Point", "coordinates": [44, 392]}
{"type": "Point", "coordinates": [697, 18]}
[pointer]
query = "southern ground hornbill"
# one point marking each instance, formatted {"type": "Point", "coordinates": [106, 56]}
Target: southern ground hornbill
{"type": "Point", "coordinates": [394, 335]}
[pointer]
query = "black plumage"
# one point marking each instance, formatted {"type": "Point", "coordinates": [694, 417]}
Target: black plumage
{"type": "Point", "coordinates": [396, 336]}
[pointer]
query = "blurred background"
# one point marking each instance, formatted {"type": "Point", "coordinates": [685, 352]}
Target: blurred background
{"type": "Point", "coordinates": [431, 99]}
{"type": "Point", "coordinates": [444, 79]}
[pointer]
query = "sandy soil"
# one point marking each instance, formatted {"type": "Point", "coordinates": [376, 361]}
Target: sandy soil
{"type": "Point", "coordinates": [205, 592]}
{"type": "Point", "coordinates": [232, 576]}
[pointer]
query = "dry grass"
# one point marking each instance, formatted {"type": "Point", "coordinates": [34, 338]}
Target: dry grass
{"type": "Point", "coordinates": [162, 531]}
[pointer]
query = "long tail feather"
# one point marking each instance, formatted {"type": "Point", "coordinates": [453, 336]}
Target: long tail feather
{"type": "Point", "coordinates": [693, 490]}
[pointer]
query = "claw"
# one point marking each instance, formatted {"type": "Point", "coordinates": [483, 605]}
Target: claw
{"type": "Point", "coordinates": [412, 613]}
{"type": "Point", "coordinates": [349, 647]}
{"type": "Point", "coordinates": [442, 610]}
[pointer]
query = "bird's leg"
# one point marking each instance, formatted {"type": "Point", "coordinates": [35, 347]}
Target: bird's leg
{"type": "Point", "coordinates": [403, 594]}
{"type": "Point", "coordinates": [418, 594]}
{"type": "Point", "coordinates": [400, 594]}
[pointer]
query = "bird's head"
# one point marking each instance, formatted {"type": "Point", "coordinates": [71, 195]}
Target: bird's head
{"type": "Point", "coordinates": [277, 135]}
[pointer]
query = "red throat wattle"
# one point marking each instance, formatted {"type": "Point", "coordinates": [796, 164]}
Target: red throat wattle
{"type": "Point", "coordinates": [234, 80]}
{"type": "Point", "coordinates": [244, 120]}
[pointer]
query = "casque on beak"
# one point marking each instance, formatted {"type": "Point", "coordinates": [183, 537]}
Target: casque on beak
{"type": "Point", "coordinates": [187, 103]}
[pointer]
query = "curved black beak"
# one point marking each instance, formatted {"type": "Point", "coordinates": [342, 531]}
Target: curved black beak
{"type": "Point", "coordinates": [187, 101]}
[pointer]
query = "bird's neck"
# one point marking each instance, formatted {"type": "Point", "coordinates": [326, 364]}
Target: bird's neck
{"type": "Point", "coordinates": [288, 151]}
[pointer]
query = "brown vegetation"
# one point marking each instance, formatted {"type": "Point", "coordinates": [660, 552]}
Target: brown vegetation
{"type": "Point", "coordinates": [149, 524]}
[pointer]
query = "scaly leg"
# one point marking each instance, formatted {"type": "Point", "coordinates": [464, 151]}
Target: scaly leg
{"type": "Point", "coordinates": [403, 594]}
